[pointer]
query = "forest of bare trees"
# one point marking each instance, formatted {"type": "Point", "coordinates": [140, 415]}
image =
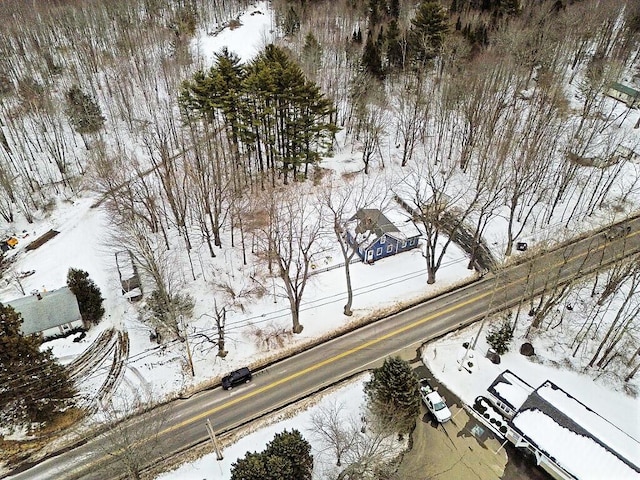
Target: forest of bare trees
{"type": "Point", "coordinates": [494, 115]}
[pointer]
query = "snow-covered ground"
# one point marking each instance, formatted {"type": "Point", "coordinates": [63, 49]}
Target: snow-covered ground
{"type": "Point", "coordinates": [348, 399]}
{"type": "Point", "coordinates": [85, 241]}
{"type": "Point", "coordinates": [442, 357]}
{"type": "Point", "coordinates": [254, 30]}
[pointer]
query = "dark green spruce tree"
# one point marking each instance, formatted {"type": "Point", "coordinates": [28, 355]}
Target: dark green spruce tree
{"type": "Point", "coordinates": [393, 395]}
{"type": "Point", "coordinates": [499, 336]}
{"type": "Point", "coordinates": [33, 387]}
{"type": "Point", "coordinates": [287, 457]}
{"type": "Point", "coordinates": [83, 111]}
{"type": "Point", "coordinates": [428, 30]}
{"type": "Point", "coordinates": [88, 295]}
{"type": "Point", "coordinates": [395, 49]}
{"type": "Point", "coordinates": [372, 58]}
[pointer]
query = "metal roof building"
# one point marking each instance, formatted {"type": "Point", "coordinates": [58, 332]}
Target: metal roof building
{"type": "Point", "coordinates": [51, 313]}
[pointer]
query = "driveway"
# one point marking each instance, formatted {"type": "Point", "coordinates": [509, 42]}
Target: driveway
{"type": "Point", "coordinates": [458, 449]}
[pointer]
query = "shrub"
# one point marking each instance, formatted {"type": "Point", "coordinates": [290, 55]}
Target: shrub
{"type": "Point", "coordinates": [88, 295]}
{"type": "Point", "coordinates": [500, 336]}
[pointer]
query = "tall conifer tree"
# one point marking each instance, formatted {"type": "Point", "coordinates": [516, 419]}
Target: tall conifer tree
{"type": "Point", "coordinates": [33, 387]}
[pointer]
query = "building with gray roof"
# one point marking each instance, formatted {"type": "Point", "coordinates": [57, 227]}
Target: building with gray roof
{"type": "Point", "coordinates": [53, 313]}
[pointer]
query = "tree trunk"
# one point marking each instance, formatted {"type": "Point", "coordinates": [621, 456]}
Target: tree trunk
{"type": "Point", "coordinates": [347, 271]}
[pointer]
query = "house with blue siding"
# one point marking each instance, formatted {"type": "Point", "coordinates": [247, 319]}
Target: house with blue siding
{"type": "Point", "coordinates": [374, 236]}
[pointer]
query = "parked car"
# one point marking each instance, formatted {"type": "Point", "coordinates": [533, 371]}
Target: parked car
{"type": "Point", "coordinates": [434, 402]}
{"type": "Point", "coordinates": [242, 375]}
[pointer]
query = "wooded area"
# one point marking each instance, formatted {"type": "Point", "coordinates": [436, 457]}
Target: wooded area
{"type": "Point", "coordinates": [495, 111]}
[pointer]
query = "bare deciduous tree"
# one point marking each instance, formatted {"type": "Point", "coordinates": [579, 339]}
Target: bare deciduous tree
{"type": "Point", "coordinates": [361, 447]}
{"type": "Point", "coordinates": [133, 442]}
{"type": "Point", "coordinates": [296, 233]}
{"type": "Point", "coordinates": [341, 202]}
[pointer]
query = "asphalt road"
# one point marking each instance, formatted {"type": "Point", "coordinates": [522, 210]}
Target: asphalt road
{"type": "Point", "coordinates": [181, 424]}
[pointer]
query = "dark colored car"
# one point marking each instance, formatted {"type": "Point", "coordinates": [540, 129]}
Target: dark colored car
{"type": "Point", "coordinates": [242, 375]}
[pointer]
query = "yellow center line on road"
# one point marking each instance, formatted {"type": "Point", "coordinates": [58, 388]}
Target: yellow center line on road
{"type": "Point", "coordinates": [323, 363]}
{"type": "Point", "coordinates": [377, 340]}
{"type": "Point", "coordinates": [370, 343]}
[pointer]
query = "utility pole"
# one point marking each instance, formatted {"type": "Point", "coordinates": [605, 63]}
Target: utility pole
{"type": "Point", "coordinates": [214, 440]}
{"type": "Point", "coordinates": [186, 341]}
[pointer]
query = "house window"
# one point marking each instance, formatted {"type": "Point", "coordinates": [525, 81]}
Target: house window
{"type": "Point", "coordinates": [404, 243]}
{"type": "Point", "coordinates": [389, 248]}
{"type": "Point", "coordinates": [379, 252]}
{"type": "Point", "coordinates": [411, 241]}
{"type": "Point", "coordinates": [382, 239]}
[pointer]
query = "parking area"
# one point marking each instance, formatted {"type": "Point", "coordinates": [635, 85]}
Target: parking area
{"type": "Point", "coordinates": [457, 449]}
{"type": "Point", "coordinates": [460, 448]}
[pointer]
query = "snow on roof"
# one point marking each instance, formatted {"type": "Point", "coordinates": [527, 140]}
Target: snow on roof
{"type": "Point", "coordinates": [403, 224]}
{"type": "Point", "coordinates": [125, 266]}
{"type": "Point", "coordinates": [579, 455]}
{"type": "Point", "coordinates": [392, 223]}
{"type": "Point", "coordinates": [134, 293]}
{"type": "Point", "coordinates": [510, 389]}
{"type": "Point", "coordinates": [52, 309]}
{"type": "Point", "coordinates": [614, 438]}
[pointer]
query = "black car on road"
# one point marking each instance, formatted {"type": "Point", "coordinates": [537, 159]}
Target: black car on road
{"type": "Point", "coordinates": [242, 375]}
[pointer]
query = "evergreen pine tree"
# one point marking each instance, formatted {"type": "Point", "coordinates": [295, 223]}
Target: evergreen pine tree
{"type": "Point", "coordinates": [428, 30]}
{"type": "Point", "coordinates": [374, 12]}
{"type": "Point", "coordinates": [83, 111]}
{"type": "Point", "coordinates": [393, 395]}
{"type": "Point", "coordinates": [395, 54]}
{"type": "Point", "coordinates": [267, 107]}
{"type": "Point", "coordinates": [293, 447]}
{"type": "Point", "coordinates": [251, 467]}
{"type": "Point", "coordinates": [291, 22]}
{"type": "Point", "coordinates": [371, 60]}
{"type": "Point", "coordinates": [394, 9]}
{"type": "Point", "coordinates": [312, 51]}
{"type": "Point", "coordinates": [500, 336]}
{"type": "Point", "coordinates": [286, 457]}
{"type": "Point", "coordinates": [88, 295]}
{"type": "Point", "coordinates": [33, 387]}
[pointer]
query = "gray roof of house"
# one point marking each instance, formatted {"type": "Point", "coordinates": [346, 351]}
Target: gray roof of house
{"type": "Point", "coordinates": [57, 307]}
{"type": "Point", "coordinates": [373, 219]}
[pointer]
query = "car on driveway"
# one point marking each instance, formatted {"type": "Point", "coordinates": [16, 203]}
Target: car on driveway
{"type": "Point", "coordinates": [434, 402]}
{"type": "Point", "coordinates": [242, 375]}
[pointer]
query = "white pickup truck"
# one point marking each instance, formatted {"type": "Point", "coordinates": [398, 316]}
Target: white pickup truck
{"type": "Point", "coordinates": [434, 402]}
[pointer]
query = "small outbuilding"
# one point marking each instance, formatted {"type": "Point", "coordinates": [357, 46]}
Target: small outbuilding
{"type": "Point", "coordinates": [374, 236]}
{"type": "Point", "coordinates": [129, 278]}
{"type": "Point", "coordinates": [52, 314]}
{"type": "Point", "coordinates": [624, 93]}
